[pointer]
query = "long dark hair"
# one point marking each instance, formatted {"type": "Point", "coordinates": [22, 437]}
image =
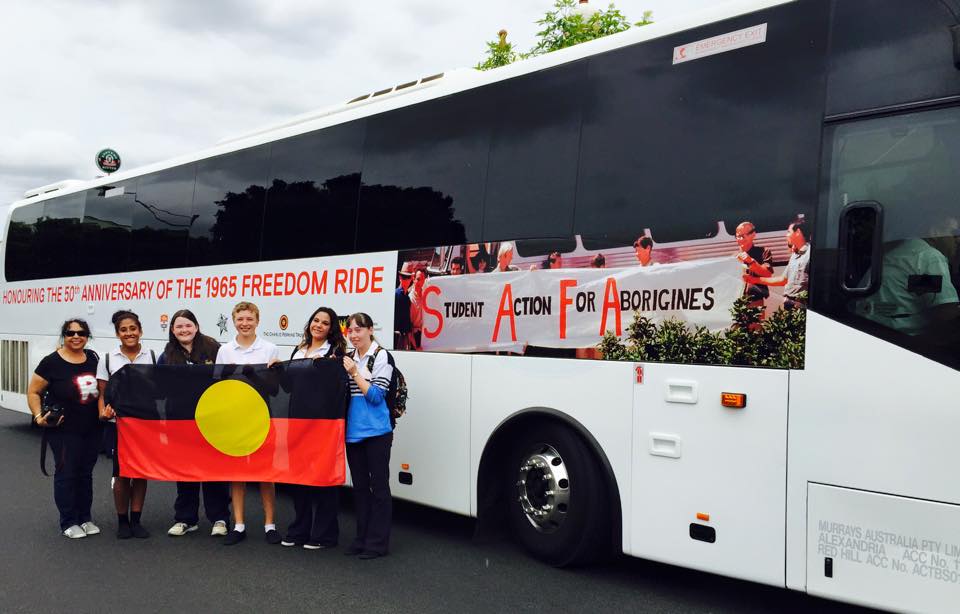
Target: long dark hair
{"type": "Point", "coordinates": [334, 337]}
{"type": "Point", "coordinates": [204, 348]}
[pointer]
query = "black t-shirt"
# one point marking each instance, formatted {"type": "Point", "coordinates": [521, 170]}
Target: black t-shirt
{"type": "Point", "coordinates": [74, 388]}
{"type": "Point", "coordinates": [764, 258]}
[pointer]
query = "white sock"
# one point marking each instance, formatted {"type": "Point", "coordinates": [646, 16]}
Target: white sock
{"type": "Point", "coordinates": [239, 527]}
{"type": "Point", "coordinates": [269, 527]}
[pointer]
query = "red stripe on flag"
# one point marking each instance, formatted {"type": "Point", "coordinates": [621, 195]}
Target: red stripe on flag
{"type": "Point", "coordinates": [296, 451]}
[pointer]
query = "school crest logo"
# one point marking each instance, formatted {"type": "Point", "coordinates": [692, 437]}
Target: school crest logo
{"type": "Point", "coordinates": [164, 319]}
{"type": "Point", "coordinates": [284, 322]}
{"type": "Point", "coordinates": [222, 323]}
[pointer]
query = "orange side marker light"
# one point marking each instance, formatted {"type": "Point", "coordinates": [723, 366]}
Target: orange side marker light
{"type": "Point", "coordinates": [405, 466]}
{"type": "Point", "coordinates": [736, 400]}
{"type": "Point", "coordinates": [703, 517]}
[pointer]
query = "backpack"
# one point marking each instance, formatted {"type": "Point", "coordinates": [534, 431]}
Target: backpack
{"type": "Point", "coordinates": [397, 392]}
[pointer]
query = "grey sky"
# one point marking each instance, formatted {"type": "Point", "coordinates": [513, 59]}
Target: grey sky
{"type": "Point", "coordinates": [157, 79]}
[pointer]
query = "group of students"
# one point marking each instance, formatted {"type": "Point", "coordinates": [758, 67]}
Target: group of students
{"type": "Point", "coordinates": [67, 395]}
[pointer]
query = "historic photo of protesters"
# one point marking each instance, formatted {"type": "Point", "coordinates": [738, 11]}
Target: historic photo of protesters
{"type": "Point", "coordinates": [715, 300]}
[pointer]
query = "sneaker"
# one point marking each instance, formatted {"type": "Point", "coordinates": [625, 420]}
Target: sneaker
{"type": "Point", "coordinates": [139, 531]}
{"type": "Point", "coordinates": [181, 528]}
{"type": "Point", "coordinates": [272, 536]}
{"type": "Point", "coordinates": [74, 532]}
{"type": "Point", "coordinates": [317, 546]}
{"type": "Point", "coordinates": [289, 542]}
{"type": "Point", "coordinates": [89, 528]}
{"type": "Point", "coordinates": [124, 531]}
{"type": "Point", "coordinates": [219, 529]}
{"type": "Point", "coordinates": [234, 537]}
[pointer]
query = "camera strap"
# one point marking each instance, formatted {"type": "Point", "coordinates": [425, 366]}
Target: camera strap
{"type": "Point", "coordinates": [44, 443]}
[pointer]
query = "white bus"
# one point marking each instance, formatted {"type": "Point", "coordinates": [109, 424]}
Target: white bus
{"type": "Point", "coordinates": [719, 426]}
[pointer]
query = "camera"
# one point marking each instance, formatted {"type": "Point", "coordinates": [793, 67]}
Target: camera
{"type": "Point", "coordinates": [51, 412]}
{"type": "Point", "coordinates": [52, 415]}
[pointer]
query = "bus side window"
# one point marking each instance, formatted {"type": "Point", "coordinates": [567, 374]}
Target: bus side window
{"type": "Point", "coordinates": [893, 230]}
{"type": "Point", "coordinates": [228, 201]}
{"type": "Point", "coordinates": [314, 180]}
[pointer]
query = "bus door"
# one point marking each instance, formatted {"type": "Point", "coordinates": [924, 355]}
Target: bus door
{"type": "Point", "coordinates": [709, 479]}
{"type": "Point", "coordinates": [874, 416]}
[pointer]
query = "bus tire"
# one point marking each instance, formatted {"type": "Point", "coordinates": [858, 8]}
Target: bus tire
{"type": "Point", "coordinates": [556, 498]}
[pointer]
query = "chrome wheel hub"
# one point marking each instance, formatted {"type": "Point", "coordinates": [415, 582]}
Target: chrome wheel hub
{"type": "Point", "coordinates": [543, 489]}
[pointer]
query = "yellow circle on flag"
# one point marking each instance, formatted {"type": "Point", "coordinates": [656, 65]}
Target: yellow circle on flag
{"type": "Point", "coordinates": [233, 417]}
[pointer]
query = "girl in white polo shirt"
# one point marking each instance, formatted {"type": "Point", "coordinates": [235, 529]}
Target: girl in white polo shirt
{"type": "Point", "coordinates": [249, 349]}
{"type": "Point", "coordinates": [128, 493]}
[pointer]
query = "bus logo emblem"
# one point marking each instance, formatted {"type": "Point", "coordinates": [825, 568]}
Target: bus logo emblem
{"type": "Point", "coordinates": [108, 161]}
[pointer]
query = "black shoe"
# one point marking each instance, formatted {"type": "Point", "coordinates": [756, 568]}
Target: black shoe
{"type": "Point", "coordinates": [366, 555]}
{"type": "Point", "coordinates": [273, 536]}
{"type": "Point", "coordinates": [234, 537]}
{"type": "Point", "coordinates": [139, 531]}
{"type": "Point", "coordinates": [289, 542]}
{"type": "Point", "coordinates": [312, 545]}
{"type": "Point", "coordinates": [124, 531]}
{"type": "Point", "coordinates": [352, 550]}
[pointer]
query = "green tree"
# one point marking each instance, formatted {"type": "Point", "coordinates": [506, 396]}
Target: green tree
{"type": "Point", "coordinates": [499, 53]}
{"type": "Point", "coordinates": [562, 27]}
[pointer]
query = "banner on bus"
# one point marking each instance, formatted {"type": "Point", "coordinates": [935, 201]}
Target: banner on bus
{"type": "Point", "coordinates": [573, 308]}
{"type": "Point", "coordinates": [232, 423]}
{"type": "Point", "coordinates": [722, 300]}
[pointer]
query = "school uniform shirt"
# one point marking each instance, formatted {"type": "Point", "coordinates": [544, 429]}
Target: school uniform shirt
{"type": "Point", "coordinates": [74, 388]}
{"type": "Point", "coordinates": [260, 352]}
{"type": "Point", "coordinates": [368, 415]}
{"type": "Point", "coordinates": [320, 352]}
{"type": "Point", "coordinates": [119, 360]}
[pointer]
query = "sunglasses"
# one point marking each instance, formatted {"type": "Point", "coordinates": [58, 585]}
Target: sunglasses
{"type": "Point", "coordinates": [75, 333]}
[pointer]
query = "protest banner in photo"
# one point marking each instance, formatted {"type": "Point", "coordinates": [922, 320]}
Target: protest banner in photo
{"type": "Point", "coordinates": [573, 308]}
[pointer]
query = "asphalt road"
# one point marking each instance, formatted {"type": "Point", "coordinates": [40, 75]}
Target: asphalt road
{"type": "Point", "coordinates": [435, 564]}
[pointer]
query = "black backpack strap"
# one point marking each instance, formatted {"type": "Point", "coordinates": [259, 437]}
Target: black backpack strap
{"type": "Point", "coordinates": [107, 358]}
{"type": "Point", "coordinates": [153, 357]}
{"type": "Point", "coordinates": [294, 352]}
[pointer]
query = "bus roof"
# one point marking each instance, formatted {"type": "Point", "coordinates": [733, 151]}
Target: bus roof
{"type": "Point", "coordinates": [414, 92]}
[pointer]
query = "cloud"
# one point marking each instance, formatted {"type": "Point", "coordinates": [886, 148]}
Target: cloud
{"type": "Point", "coordinates": [162, 79]}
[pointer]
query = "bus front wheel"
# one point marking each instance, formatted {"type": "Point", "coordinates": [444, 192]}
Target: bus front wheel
{"type": "Point", "coordinates": [556, 496]}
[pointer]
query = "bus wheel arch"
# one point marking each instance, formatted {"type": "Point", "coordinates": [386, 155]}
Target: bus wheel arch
{"type": "Point", "coordinates": [521, 448]}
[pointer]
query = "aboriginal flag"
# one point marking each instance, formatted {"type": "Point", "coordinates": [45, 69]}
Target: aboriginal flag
{"type": "Point", "coordinates": [224, 423]}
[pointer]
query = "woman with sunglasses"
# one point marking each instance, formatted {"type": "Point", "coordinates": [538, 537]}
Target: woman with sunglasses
{"type": "Point", "coordinates": [65, 381]}
{"type": "Point", "coordinates": [315, 524]}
